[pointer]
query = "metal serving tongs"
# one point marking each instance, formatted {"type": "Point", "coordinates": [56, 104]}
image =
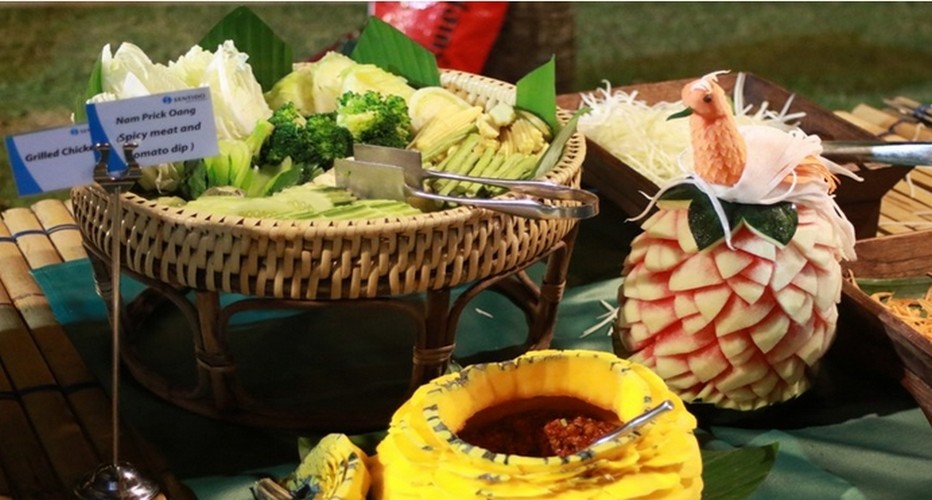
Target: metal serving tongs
{"type": "Point", "coordinates": [892, 153]}
{"type": "Point", "coordinates": [911, 108]}
{"type": "Point", "coordinates": [633, 424]}
{"type": "Point", "coordinates": [378, 172]}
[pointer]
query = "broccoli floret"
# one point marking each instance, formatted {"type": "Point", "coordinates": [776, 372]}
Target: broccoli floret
{"type": "Point", "coordinates": [287, 114]}
{"type": "Point", "coordinates": [287, 138]}
{"type": "Point", "coordinates": [312, 142]}
{"type": "Point", "coordinates": [330, 141]}
{"type": "Point", "coordinates": [285, 150]}
{"type": "Point", "coordinates": [375, 119]}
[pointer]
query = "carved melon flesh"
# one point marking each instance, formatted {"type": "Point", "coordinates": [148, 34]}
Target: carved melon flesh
{"type": "Point", "coordinates": [736, 327]}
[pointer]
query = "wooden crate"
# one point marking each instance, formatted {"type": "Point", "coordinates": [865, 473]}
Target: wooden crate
{"type": "Point", "coordinates": [878, 339]}
{"type": "Point", "coordinates": [623, 186]}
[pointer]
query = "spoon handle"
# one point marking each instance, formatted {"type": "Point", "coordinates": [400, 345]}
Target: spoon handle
{"type": "Point", "coordinates": [635, 423]}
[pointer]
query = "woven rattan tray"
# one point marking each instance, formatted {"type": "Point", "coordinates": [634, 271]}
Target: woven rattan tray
{"type": "Point", "coordinates": [330, 260]}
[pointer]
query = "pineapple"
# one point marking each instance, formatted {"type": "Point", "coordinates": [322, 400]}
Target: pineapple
{"type": "Point", "coordinates": [730, 293]}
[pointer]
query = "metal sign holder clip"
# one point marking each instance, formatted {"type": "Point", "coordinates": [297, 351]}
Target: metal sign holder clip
{"type": "Point", "coordinates": [116, 480]}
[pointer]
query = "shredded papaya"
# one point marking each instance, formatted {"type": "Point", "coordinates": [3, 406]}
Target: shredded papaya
{"type": "Point", "coordinates": [914, 311]}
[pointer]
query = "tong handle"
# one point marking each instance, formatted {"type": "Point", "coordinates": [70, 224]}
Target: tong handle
{"type": "Point", "coordinates": [893, 153]}
{"type": "Point", "coordinates": [520, 207]}
{"type": "Point", "coordinates": [542, 189]}
{"type": "Point", "coordinates": [525, 208]}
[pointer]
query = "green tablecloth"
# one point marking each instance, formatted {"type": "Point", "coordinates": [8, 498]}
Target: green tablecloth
{"type": "Point", "coordinates": [853, 436]}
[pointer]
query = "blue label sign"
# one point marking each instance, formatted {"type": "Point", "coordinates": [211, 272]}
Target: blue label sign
{"type": "Point", "coordinates": [169, 127]}
{"type": "Point", "coordinates": [53, 159]}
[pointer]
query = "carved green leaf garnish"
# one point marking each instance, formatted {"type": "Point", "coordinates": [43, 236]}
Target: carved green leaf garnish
{"type": "Point", "coordinates": [775, 222]}
{"type": "Point", "coordinates": [704, 223]}
{"type": "Point", "coordinates": [681, 192]}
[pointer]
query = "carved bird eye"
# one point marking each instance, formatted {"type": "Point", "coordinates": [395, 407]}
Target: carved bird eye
{"type": "Point", "coordinates": [707, 98]}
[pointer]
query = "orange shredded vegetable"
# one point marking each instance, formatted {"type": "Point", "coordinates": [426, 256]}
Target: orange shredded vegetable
{"type": "Point", "coordinates": [915, 312]}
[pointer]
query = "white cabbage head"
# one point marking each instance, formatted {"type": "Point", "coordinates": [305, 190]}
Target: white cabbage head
{"type": "Point", "coordinates": [235, 93]}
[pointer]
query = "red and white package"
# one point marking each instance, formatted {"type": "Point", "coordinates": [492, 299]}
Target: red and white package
{"type": "Point", "coordinates": [460, 34]}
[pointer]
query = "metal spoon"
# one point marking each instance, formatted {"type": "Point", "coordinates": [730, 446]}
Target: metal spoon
{"type": "Point", "coordinates": [634, 424]}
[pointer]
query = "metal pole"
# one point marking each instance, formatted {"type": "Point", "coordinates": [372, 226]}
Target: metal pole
{"type": "Point", "coordinates": [116, 480]}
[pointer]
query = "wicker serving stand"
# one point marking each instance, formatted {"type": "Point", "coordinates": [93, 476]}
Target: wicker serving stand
{"type": "Point", "coordinates": [357, 263]}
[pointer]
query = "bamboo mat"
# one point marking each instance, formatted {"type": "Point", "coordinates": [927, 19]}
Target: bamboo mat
{"type": "Point", "coordinates": [55, 417]}
{"type": "Point", "coordinates": [908, 206]}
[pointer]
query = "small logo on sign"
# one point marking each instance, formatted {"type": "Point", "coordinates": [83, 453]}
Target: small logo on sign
{"type": "Point", "coordinates": [167, 99]}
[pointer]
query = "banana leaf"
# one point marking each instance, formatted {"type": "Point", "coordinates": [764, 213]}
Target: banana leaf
{"type": "Point", "coordinates": [385, 46]}
{"type": "Point", "coordinates": [537, 92]}
{"type": "Point", "coordinates": [911, 287]}
{"type": "Point", "coordinates": [555, 151]}
{"type": "Point", "coordinates": [270, 57]}
{"type": "Point", "coordinates": [735, 474]}
{"type": "Point", "coordinates": [94, 86]}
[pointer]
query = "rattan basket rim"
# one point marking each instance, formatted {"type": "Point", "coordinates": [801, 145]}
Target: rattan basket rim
{"type": "Point", "coordinates": [490, 89]}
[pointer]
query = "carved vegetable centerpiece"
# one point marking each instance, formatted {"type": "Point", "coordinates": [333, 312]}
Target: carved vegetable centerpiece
{"type": "Point", "coordinates": [730, 292]}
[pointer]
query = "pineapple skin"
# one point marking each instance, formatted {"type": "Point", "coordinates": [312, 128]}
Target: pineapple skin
{"type": "Point", "coordinates": [739, 328]}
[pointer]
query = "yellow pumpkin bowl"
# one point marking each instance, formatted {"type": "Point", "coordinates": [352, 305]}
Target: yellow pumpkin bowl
{"type": "Point", "coordinates": [423, 457]}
